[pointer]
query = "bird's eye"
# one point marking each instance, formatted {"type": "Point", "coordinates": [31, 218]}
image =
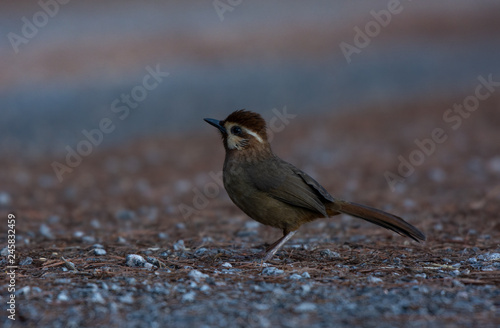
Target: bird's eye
{"type": "Point", "coordinates": [236, 130]}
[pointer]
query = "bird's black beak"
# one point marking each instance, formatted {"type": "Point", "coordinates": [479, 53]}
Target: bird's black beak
{"type": "Point", "coordinates": [217, 124]}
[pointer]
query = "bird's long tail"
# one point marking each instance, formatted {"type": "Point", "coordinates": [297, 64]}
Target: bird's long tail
{"type": "Point", "coordinates": [378, 217]}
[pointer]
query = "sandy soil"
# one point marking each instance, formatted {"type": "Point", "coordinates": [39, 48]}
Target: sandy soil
{"type": "Point", "coordinates": [203, 268]}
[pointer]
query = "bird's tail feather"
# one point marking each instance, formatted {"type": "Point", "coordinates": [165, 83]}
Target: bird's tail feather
{"type": "Point", "coordinates": [378, 217]}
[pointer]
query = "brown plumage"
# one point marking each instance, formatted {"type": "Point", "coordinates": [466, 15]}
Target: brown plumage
{"type": "Point", "coordinates": [276, 193]}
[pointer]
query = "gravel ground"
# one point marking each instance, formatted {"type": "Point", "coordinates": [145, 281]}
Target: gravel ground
{"type": "Point", "coordinates": [142, 235]}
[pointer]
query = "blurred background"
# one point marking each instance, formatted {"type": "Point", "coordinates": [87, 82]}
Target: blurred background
{"type": "Point", "coordinates": [364, 80]}
{"type": "Point", "coordinates": [65, 67]}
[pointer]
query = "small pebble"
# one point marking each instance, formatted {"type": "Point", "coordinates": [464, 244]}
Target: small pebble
{"type": "Point", "coordinates": [134, 260]}
{"type": "Point", "coordinates": [375, 280]}
{"type": "Point", "coordinates": [197, 275]}
{"type": "Point", "coordinates": [200, 251]}
{"type": "Point", "coordinates": [126, 299]}
{"type": "Point", "coordinates": [88, 239]}
{"type": "Point", "coordinates": [26, 261]}
{"type": "Point", "coordinates": [125, 215]}
{"type": "Point", "coordinates": [4, 252]}
{"type": "Point", "coordinates": [328, 254]}
{"type": "Point", "coordinates": [306, 275]}
{"type": "Point", "coordinates": [97, 298]}
{"type": "Point", "coordinates": [99, 251]}
{"type": "Point", "coordinates": [188, 297]}
{"type": "Point", "coordinates": [492, 257]}
{"type": "Point", "coordinates": [5, 199]}
{"type": "Point", "coordinates": [95, 224]}
{"type": "Point", "coordinates": [63, 297]}
{"type": "Point", "coordinates": [226, 265]}
{"type": "Point", "coordinates": [53, 219]}
{"type": "Point", "coordinates": [494, 164]}
{"type": "Point", "coordinates": [45, 231]}
{"type": "Point", "coordinates": [295, 276]}
{"type": "Point", "coordinates": [179, 245]}
{"type": "Point", "coordinates": [205, 288]}
{"type": "Point", "coordinates": [305, 307]}
{"type": "Point", "coordinates": [78, 234]}
{"type": "Point", "coordinates": [272, 271]}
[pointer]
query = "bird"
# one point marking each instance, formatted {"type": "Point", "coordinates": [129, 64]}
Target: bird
{"type": "Point", "coordinates": [276, 193]}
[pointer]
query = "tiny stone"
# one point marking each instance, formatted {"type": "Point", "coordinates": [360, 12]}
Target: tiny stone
{"type": "Point", "coordinates": [45, 231]}
{"type": "Point", "coordinates": [306, 275]}
{"type": "Point", "coordinates": [226, 265]}
{"type": "Point", "coordinates": [271, 271]}
{"type": "Point", "coordinates": [134, 260]}
{"type": "Point", "coordinates": [305, 307]}
{"type": "Point", "coordinates": [493, 257]}
{"type": "Point", "coordinates": [5, 199]}
{"type": "Point", "coordinates": [207, 240]}
{"type": "Point", "coordinates": [126, 299]}
{"type": "Point", "coordinates": [125, 215]}
{"type": "Point", "coordinates": [99, 251]}
{"type": "Point", "coordinates": [148, 266]}
{"type": "Point", "coordinates": [179, 245]}
{"type": "Point", "coordinates": [23, 291]}
{"type": "Point", "coordinates": [4, 251]}
{"type": "Point", "coordinates": [121, 240]}
{"type": "Point", "coordinates": [97, 246]}
{"type": "Point", "coordinates": [97, 298]}
{"type": "Point", "coordinates": [205, 288]}
{"type": "Point", "coordinates": [437, 175]}
{"type": "Point", "coordinates": [328, 254]}
{"type": "Point", "coordinates": [53, 219]}
{"type": "Point", "coordinates": [63, 297]}
{"type": "Point", "coordinates": [374, 280]}
{"type": "Point", "coordinates": [200, 251]}
{"type": "Point", "coordinates": [494, 164]}
{"type": "Point", "coordinates": [250, 225]}
{"type": "Point", "coordinates": [295, 276]}
{"type": "Point", "coordinates": [197, 275]}
{"type": "Point", "coordinates": [189, 297]}
{"type": "Point", "coordinates": [162, 235]}
{"type": "Point", "coordinates": [78, 234]}
{"type": "Point", "coordinates": [95, 224]}
{"type": "Point", "coordinates": [26, 261]}
{"type": "Point", "coordinates": [88, 239]}
{"type": "Point", "coordinates": [165, 253]}
{"type": "Point", "coordinates": [180, 226]}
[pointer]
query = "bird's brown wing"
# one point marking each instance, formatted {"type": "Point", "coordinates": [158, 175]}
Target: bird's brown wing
{"type": "Point", "coordinates": [290, 185]}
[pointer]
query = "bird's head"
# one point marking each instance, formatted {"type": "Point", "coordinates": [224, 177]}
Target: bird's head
{"type": "Point", "coordinates": [242, 130]}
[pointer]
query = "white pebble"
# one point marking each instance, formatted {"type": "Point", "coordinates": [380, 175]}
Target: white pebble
{"type": "Point", "coordinates": [134, 260]}
{"type": "Point", "coordinates": [99, 251]}
{"type": "Point", "coordinates": [197, 275]}
{"type": "Point", "coordinates": [189, 297]}
{"type": "Point", "coordinates": [305, 307]}
{"type": "Point", "coordinates": [374, 280]}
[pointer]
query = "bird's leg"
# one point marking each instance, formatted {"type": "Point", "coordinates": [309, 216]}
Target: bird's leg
{"type": "Point", "coordinates": [277, 245]}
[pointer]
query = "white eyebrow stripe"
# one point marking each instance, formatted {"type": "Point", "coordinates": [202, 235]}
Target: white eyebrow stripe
{"type": "Point", "coordinates": [250, 132]}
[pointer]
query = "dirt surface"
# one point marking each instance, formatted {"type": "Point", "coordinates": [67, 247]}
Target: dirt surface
{"type": "Point", "coordinates": [199, 262]}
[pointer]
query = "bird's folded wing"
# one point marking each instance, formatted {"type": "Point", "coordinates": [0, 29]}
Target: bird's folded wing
{"type": "Point", "coordinates": [290, 185]}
